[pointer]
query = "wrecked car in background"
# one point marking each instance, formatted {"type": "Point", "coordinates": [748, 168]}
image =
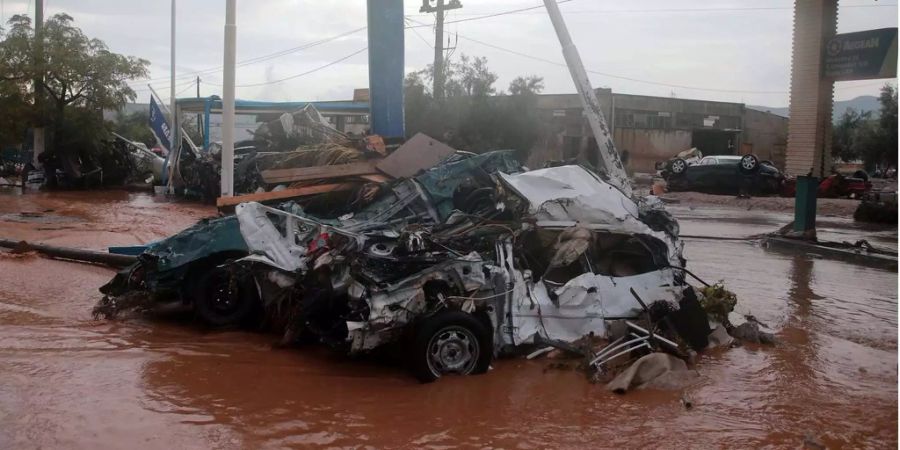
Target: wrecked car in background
{"type": "Point", "coordinates": [724, 174]}
{"type": "Point", "coordinates": [471, 259]}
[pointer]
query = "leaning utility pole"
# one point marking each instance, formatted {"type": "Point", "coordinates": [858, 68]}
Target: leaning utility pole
{"type": "Point", "coordinates": [38, 84]}
{"type": "Point", "coordinates": [438, 67]}
{"type": "Point", "coordinates": [606, 148]}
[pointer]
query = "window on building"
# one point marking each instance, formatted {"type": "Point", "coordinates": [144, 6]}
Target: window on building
{"type": "Point", "coordinates": [624, 118]}
{"type": "Point", "coordinates": [689, 120]}
{"type": "Point", "coordinates": [658, 122]}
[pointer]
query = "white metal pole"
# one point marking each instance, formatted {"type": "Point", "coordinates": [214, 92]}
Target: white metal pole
{"type": "Point", "coordinates": [172, 124]}
{"type": "Point", "coordinates": [228, 99]}
{"type": "Point", "coordinates": [608, 155]}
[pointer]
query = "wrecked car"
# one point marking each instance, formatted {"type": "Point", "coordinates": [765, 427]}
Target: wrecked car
{"type": "Point", "coordinates": [724, 174]}
{"type": "Point", "coordinates": [680, 161]}
{"type": "Point", "coordinates": [473, 259]}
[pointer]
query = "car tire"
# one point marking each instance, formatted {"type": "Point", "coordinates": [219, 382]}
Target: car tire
{"type": "Point", "coordinates": [220, 303]}
{"type": "Point", "coordinates": [677, 166]}
{"type": "Point", "coordinates": [748, 165]}
{"type": "Point", "coordinates": [449, 342]}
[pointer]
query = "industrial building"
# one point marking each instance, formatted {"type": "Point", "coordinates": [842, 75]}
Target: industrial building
{"type": "Point", "coordinates": [650, 129]}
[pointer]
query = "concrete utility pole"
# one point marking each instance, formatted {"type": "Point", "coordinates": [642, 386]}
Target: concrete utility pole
{"type": "Point", "coordinates": [608, 155]}
{"type": "Point", "coordinates": [38, 84]}
{"type": "Point", "coordinates": [227, 176]}
{"type": "Point", "coordinates": [438, 9]}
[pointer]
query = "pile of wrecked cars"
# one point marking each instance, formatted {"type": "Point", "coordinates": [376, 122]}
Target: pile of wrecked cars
{"type": "Point", "coordinates": [473, 258]}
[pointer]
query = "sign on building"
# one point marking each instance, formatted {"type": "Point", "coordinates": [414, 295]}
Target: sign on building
{"type": "Point", "coordinates": [862, 55]}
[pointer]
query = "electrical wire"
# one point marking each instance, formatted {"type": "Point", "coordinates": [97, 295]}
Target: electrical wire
{"type": "Point", "coordinates": [344, 58]}
{"type": "Point", "coordinates": [640, 11]}
{"type": "Point", "coordinates": [497, 14]}
{"type": "Point", "coordinates": [261, 58]}
{"type": "Point", "coordinates": [190, 85]}
{"type": "Point", "coordinates": [610, 75]}
{"type": "Point", "coordinates": [416, 32]}
{"type": "Point", "coordinates": [496, 47]}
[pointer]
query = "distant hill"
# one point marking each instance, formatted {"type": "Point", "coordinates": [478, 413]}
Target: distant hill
{"type": "Point", "coordinates": [861, 103]}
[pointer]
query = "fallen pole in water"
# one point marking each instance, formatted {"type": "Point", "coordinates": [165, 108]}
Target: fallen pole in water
{"type": "Point", "coordinates": [73, 254]}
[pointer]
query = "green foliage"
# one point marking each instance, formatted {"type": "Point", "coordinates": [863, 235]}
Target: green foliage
{"type": "Point", "coordinates": [718, 302]}
{"type": "Point", "coordinates": [858, 136]}
{"type": "Point", "coordinates": [16, 111]}
{"type": "Point", "coordinates": [465, 77]}
{"type": "Point", "coordinates": [134, 126]}
{"type": "Point", "coordinates": [886, 151]}
{"type": "Point", "coordinates": [81, 77]}
{"type": "Point", "coordinates": [851, 135]}
{"type": "Point", "coordinates": [81, 132]}
{"type": "Point", "coordinates": [530, 85]}
{"type": "Point", "coordinates": [474, 116]}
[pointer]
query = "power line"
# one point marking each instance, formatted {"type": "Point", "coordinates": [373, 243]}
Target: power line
{"type": "Point", "coordinates": [344, 58]}
{"type": "Point", "coordinates": [637, 80]}
{"type": "Point", "coordinates": [162, 88]}
{"type": "Point", "coordinates": [266, 57]}
{"type": "Point", "coordinates": [639, 11]}
{"type": "Point", "coordinates": [416, 32]}
{"type": "Point", "coordinates": [189, 85]}
{"type": "Point", "coordinates": [488, 16]}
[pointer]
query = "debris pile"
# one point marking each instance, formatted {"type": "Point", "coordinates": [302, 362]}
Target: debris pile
{"type": "Point", "coordinates": [455, 256]}
{"type": "Point", "coordinates": [300, 140]}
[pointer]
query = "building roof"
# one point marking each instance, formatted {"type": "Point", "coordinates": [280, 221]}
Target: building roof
{"type": "Point", "coordinates": [193, 104]}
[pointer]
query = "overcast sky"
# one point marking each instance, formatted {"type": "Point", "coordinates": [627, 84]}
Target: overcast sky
{"type": "Point", "coordinates": [736, 50]}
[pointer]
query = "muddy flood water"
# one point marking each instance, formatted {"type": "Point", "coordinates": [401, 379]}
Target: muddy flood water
{"type": "Point", "coordinates": [68, 381]}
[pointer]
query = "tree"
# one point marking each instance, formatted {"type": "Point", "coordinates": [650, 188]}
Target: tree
{"type": "Point", "coordinates": [851, 134]}
{"type": "Point", "coordinates": [858, 136]}
{"type": "Point", "coordinates": [134, 126]}
{"type": "Point", "coordinates": [15, 96]}
{"type": "Point", "coordinates": [78, 72]}
{"type": "Point", "coordinates": [886, 151]}
{"type": "Point", "coordinates": [465, 77]}
{"type": "Point", "coordinates": [530, 85]}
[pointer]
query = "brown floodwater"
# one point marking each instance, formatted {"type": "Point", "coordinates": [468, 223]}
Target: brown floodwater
{"type": "Point", "coordinates": [68, 381]}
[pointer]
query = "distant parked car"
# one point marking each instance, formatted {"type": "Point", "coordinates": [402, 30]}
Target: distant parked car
{"type": "Point", "coordinates": [724, 174]}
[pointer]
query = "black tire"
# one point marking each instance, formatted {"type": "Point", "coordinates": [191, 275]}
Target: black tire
{"type": "Point", "coordinates": [221, 303]}
{"type": "Point", "coordinates": [748, 165]}
{"type": "Point", "coordinates": [439, 340]}
{"type": "Point", "coordinates": [677, 166]}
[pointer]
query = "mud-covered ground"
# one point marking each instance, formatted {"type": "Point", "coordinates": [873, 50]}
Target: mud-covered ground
{"type": "Point", "coordinates": [68, 381]}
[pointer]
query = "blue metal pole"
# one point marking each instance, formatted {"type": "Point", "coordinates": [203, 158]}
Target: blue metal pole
{"type": "Point", "coordinates": [386, 49]}
{"type": "Point", "coordinates": [207, 105]}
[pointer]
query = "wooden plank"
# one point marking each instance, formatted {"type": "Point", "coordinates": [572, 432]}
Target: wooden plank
{"type": "Point", "coordinates": [222, 202]}
{"type": "Point", "coordinates": [377, 178]}
{"type": "Point", "coordinates": [275, 176]}
{"type": "Point", "coordinates": [415, 155]}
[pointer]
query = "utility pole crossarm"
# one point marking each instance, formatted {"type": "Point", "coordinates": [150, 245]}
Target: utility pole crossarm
{"type": "Point", "coordinates": [609, 159]}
